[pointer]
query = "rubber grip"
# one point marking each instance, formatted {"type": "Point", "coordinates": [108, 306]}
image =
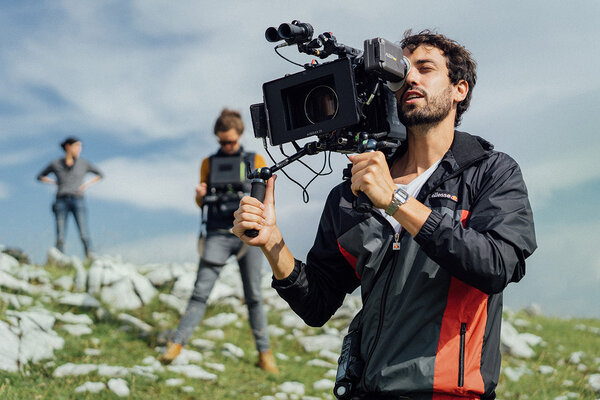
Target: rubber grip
{"type": "Point", "coordinates": [258, 192]}
{"type": "Point", "coordinates": [363, 203]}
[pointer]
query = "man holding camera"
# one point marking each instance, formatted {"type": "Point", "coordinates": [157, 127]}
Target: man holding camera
{"type": "Point", "coordinates": [451, 227]}
{"type": "Point", "coordinates": [222, 180]}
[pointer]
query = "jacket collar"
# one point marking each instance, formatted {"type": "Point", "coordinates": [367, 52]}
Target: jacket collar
{"type": "Point", "coordinates": [464, 150]}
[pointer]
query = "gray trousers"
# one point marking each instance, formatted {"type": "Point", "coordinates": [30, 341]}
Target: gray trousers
{"type": "Point", "coordinates": [218, 247]}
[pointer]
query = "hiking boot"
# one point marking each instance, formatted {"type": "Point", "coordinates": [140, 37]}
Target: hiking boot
{"type": "Point", "coordinates": [266, 361]}
{"type": "Point", "coordinates": [173, 350]}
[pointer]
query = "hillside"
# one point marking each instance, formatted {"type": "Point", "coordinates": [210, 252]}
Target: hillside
{"type": "Point", "coordinates": [71, 330]}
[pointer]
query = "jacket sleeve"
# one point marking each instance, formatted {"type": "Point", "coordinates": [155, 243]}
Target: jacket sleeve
{"type": "Point", "coordinates": [317, 288]}
{"type": "Point", "coordinates": [489, 250]}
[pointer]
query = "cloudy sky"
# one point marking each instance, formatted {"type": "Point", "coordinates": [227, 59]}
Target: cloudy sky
{"type": "Point", "coordinates": [141, 82]}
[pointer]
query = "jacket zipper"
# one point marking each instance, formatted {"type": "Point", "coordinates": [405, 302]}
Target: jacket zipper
{"type": "Point", "coordinates": [461, 356]}
{"type": "Point", "coordinates": [381, 313]}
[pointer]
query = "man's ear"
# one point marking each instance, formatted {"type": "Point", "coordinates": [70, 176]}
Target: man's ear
{"type": "Point", "coordinates": [462, 89]}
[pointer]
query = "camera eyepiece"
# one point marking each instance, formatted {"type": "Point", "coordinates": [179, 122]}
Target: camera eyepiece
{"type": "Point", "coordinates": [296, 32]}
{"type": "Point", "coordinates": [272, 35]}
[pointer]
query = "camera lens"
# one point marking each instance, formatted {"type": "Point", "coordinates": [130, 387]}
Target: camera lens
{"type": "Point", "coordinates": [321, 104]}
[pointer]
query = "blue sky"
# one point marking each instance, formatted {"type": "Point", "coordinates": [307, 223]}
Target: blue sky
{"type": "Point", "coordinates": [141, 82]}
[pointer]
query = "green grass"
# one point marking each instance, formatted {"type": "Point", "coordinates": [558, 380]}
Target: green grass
{"type": "Point", "coordinates": [242, 380]}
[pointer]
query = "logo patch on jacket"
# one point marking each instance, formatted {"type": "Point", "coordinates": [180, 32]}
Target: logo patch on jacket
{"type": "Point", "coordinates": [444, 195]}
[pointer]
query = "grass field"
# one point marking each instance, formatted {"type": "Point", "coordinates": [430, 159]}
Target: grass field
{"type": "Point", "coordinates": [242, 380]}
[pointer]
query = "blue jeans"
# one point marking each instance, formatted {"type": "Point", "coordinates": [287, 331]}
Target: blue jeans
{"type": "Point", "coordinates": [218, 247]}
{"type": "Point", "coordinates": [76, 206]}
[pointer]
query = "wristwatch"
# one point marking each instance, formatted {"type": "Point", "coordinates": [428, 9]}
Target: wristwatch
{"type": "Point", "coordinates": [400, 197]}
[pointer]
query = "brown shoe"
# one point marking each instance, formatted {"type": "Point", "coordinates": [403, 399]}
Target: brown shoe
{"type": "Point", "coordinates": [173, 350]}
{"type": "Point", "coordinates": [266, 361]}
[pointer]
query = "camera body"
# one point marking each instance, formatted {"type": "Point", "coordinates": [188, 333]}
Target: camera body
{"type": "Point", "coordinates": [334, 100]}
{"type": "Point", "coordinates": [227, 183]}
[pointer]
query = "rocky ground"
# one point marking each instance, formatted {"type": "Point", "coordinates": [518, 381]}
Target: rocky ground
{"type": "Point", "coordinates": [32, 333]}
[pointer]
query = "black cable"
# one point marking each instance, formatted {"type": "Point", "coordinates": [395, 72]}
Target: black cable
{"type": "Point", "coordinates": [287, 59]}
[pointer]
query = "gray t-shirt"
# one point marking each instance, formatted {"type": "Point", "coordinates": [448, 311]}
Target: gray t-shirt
{"type": "Point", "coordinates": [69, 179]}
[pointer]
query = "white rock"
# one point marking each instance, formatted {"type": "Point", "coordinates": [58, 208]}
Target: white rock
{"type": "Point", "coordinates": [70, 369]}
{"type": "Point", "coordinates": [215, 334]}
{"type": "Point", "coordinates": [324, 384]}
{"type": "Point", "coordinates": [64, 282]}
{"type": "Point", "coordinates": [233, 350]}
{"type": "Point", "coordinates": [514, 374]}
{"type": "Point", "coordinates": [79, 300]}
{"type": "Point", "coordinates": [187, 389]}
{"type": "Point", "coordinates": [12, 283]}
{"type": "Point", "coordinates": [330, 355]}
{"type": "Point", "coordinates": [71, 318]}
{"type": "Point", "coordinates": [173, 302]}
{"type": "Point", "coordinates": [147, 371]}
{"type": "Point", "coordinates": [184, 286]}
{"type": "Point", "coordinates": [160, 276]}
{"type": "Point", "coordinates": [192, 371]}
{"type": "Point", "coordinates": [143, 287]}
{"type": "Point", "coordinates": [92, 387]}
{"type": "Point", "coordinates": [320, 363]}
{"type": "Point", "coordinates": [215, 366]}
{"type": "Point", "coordinates": [296, 388]}
{"type": "Point", "coordinates": [9, 348]}
{"type": "Point", "coordinates": [174, 382]}
{"type": "Point", "coordinates": [112, 370]}
{"type": "Point", "coordinates": [119, 387]}
{"type": "Point", "coordinates": [291, 320]}
{"type": "Point", "coordinates": [546, 369]}
{"type": "Point", "coordinates": [8, 263]}
{"type": "Point", "coordinates": [594, 382]}
{"type": "Point", "coordinates": [203, 344]}
{"type": "Point", "coordinates": [121, 296]}
{"type": "Point", "coordinates": [135, 322]}
{"type": "Point", "coordinates": [276, 331]}
{"type": "Point", "coordinates": [221, 320]}
{"type": "Point", "coordinates": [512, 342]}
{"type": "Point", "coordinates": [187, 356]}
{"type": "Point", "coordinates": [576, 357]}
{"type": "Point", "coordinates": [77, 329]}
{"type": "Point", "coordinates": [319, 342]}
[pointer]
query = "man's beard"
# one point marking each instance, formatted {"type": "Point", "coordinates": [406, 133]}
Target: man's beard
{"type": "Point", "coordinates": [436, 109]}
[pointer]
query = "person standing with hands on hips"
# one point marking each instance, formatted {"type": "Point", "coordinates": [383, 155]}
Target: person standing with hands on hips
{"type": "Point", "coordinates": [221, 243]}
{"type": "Point", "coordinates": [70, 172]}
{"type": "Point", "coordinates": [451, 227]}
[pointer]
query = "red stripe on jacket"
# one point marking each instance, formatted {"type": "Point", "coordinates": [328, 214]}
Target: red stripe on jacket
{"type": "Point", "coordinates": [465, 305]}
{"type": "Point", "coordinates": [350, 258]}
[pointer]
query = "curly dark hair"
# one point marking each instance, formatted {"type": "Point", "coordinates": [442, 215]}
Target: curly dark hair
{"type": "Point", "coordinates": [460, 63]}
{"type": "Point", "coordinates": [229, 119]}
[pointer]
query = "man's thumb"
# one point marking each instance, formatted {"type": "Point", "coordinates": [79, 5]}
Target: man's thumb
{"type": "Point", "coordinates": [270, 191]}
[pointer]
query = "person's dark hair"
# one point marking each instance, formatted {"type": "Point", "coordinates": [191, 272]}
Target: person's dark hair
{"type": "Point", "coordinates": [69, 141]}
{"type": "Point", "coordinates": [460, 63]}
{"type": "Point", "coordinates": [229, 119]}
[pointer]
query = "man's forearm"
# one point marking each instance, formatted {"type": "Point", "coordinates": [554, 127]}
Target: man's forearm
{"type": "Point", "coordinates": [279, 256]}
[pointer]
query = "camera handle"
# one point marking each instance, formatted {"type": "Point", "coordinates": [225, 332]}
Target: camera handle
{"type": "Point", "coordinates": [260, 176]}
{"type": "Point", "coordinates": [363, 203]}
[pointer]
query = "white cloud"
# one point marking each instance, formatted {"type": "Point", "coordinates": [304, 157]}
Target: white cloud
{"type": "Point", "coordinates": [4, 191]}
{"type": "Point", "coordinates": [154, 182]}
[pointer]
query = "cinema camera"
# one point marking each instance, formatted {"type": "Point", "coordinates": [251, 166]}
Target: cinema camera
{"type": "Point", "coordinates": [347, 104]}
{"type": "Point", "coordinates": [227, 183]}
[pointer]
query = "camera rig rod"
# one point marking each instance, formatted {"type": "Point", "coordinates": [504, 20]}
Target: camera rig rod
{"type": "Point", "coordinates": [260, 176]}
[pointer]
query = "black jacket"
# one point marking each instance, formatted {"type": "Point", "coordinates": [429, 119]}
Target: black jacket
{"type": "Point", "coordinates": [432, 310]}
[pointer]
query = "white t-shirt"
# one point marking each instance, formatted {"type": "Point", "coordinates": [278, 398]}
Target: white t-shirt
{"type": "Point", "coordinates": [413, 188]}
